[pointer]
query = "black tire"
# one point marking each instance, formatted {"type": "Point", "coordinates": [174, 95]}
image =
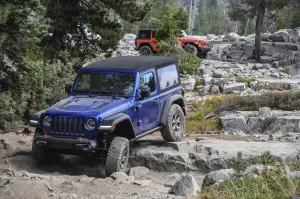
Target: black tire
{"type": "Point", "coordinates": [174, 129]}
{"type": "Point", "coordinates": [145, 51]}
{"type": "Point", "coordinates": [41, 155]}
{"type": "Point", "coordinates": [189, 48]}
{"type": "Point", "coordinates": [117, 157]}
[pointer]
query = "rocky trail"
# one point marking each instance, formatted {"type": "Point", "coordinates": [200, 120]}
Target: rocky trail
{"type": "Point", "coordinates": [154, 168]}
{"type": "Point", "coordinates": [161, 170]}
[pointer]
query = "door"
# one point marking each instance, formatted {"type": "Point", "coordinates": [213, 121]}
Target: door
{"type": "Point", "coordinates": [148, 108]}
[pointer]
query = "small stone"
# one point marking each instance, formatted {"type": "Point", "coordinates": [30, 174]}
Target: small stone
{"type": "Point", "coordinates": [25, 174]}
{"type": "Point", "coordinates": [119, 176]}
{"type": "Point", "coordinates": [21, 141]}
{"type": "Point", "coordinates": [52, 195]}
{"type": "Point", "coordinates": [186, 186]}
{"type": "Point", "coordinates": [217, 176]}
{"type": "Point", "coordinates": [4, 181]}
{"type": "Point", "coordinates": [142, 182]}
{"type": "Point", "coordinates": [215, 89]}
{"type": "Point", "coordinates": [49, 187]}
{"type": "Point", "coordinates": [68, 182]}
{"type": "Point", "coordinates": [139, 172]}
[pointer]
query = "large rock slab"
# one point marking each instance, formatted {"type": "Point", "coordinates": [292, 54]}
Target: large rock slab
{"type": "Point", "coordinates": [230, 88]}
{"type": "Point", "coordinates": [218, 52]}
{"type": "Point", "coordinates": [233, 123]}
{"type": "Point", "coordinates": [205, 155]}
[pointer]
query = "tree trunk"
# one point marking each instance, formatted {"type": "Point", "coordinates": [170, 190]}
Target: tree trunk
{"type": "Point", "coordinates": [259, 24]}
{"type": "Point", "coordinates": [246, 29]}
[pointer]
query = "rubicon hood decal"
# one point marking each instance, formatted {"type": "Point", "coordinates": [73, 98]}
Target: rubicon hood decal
{"type": "Point", "coordinates": [85, 103]}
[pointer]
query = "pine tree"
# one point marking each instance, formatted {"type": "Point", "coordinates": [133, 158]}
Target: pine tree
{"type": "Point", "coordinates": [82, 29]}
{"type": "Point", "coordinates": [257, 7]}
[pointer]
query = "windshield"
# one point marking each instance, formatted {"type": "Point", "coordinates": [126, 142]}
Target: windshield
{"type": "Point", "coordinates": [106, 83]}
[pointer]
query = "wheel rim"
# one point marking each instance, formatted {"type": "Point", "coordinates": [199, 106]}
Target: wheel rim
{"type": "Point", "coordinates": [124, 160]}
{"type": "Point", "coordinates": [145, 52]}
{"type": "Point", "coordinates": [176, 123]}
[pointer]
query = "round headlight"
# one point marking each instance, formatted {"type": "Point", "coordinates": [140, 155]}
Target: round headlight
{"type": "Point", "coordinates": [47, 121]}
{"type": "Point", "coordinates": [90, 124]}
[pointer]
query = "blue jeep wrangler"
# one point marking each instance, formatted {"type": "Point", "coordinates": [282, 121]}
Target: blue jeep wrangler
{"type": "Point", "coordinates": [113, 102]}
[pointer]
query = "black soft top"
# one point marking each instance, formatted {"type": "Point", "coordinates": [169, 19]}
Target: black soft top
{"type": "Point", "coordinates": [134, 63]}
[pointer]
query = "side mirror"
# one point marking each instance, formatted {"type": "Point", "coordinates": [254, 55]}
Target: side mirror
{"type": "Point", "coordinates": [144, 92]}
{"type": "Point", "coordinates": [68, 88]}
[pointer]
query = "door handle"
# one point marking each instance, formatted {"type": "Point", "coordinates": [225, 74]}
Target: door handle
{"type": "Point", "coordinates": [138, 105]}
{"type": "Point", "coordinates": [155, 100]}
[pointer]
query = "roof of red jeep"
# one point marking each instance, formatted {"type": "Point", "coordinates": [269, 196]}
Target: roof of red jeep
{"type": "Point", "coordinates": [135, 63]}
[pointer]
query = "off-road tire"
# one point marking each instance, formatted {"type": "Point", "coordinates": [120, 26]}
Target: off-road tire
{"type": "Point", "coordinates": [41, 155]}
{"type": "Point", "coordinates": [190, 48]}
{"type": "Point", "coordinates": [168, 132]}
{"type": "Point", "coordinates": [117, 157]}
{"type": "Point", "coordinates": [145, 51]}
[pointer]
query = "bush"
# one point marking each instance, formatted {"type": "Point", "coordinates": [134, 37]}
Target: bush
{"type": "Point", "coordinates": [247, 81]}
{"type": "Point", "coordinates": [36, 88]}
{"type": "Point", "coordinates": [287, 101]}
{"type": "Point", "coordinates": [201, 126]}
{"type": "Point", "coordinates": [187, 63]}
{"type": "Point", "coordinates": [268, 185]}
{"type": "Point", "coordinates": [8, 116]}
{"type": "Point", "coordinates": [197, 123]}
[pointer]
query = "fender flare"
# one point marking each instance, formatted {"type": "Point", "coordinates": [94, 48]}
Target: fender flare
{"type": "Point", "coordinates": [109, 124]}
{"type": "Point", "coordinates": [168, 104]}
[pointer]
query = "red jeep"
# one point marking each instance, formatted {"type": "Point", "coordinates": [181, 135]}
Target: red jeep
{"type": "Point", "coordinates": [146, 43]}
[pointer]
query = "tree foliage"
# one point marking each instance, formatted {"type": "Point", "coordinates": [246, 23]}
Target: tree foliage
{"type": "Point", "coordinates": [173, 22]}
{"type": "Point", "coordinates": [251, 8]}
{"type": "Point", "coordinates": [43, 43]}
{"type": "Point", "coordinates": [84, 29]}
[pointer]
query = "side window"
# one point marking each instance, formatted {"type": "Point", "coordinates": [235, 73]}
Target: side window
{"type": "Point", "coordinates": [148, 80]}
{"type": "Point", "coordinates": [153, 34]}
{"type": "Point", "coordinates": [167, 77]}
{"type": "Point", "coordinates": [144, 34]}
{"type": "Point", "coordinates": [83, 82]}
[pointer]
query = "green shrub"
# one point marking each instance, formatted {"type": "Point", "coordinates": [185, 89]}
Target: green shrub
{"type": "Point", "coordinates": [266, 159]}
{"type": "Point", "coordinates": [285, 70]}
{"type": "Point", "coordinates": [199, 82]}
{"type": "Point", "coordinates": [247, 81]}
{"type": "Point", "coordinates": [287, 101]}
{"type": "Point", "coordinates": [197, 123]}
{"type": "Point", "coordinates": [239, 164]}
{"type": "Point", "coordinates": [271, 184]}
{"type": "Point", "coordinates": [187, 63]}
{"type": "Point", "coordinates": [8, 115]}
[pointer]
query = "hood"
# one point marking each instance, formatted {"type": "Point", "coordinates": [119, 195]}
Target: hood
{"type": "Point", "coordinates": [195, 37]}
{"type": "Point", "coordinates": [84, 104]}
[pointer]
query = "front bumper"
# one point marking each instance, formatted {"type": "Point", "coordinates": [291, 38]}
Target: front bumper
{"type": "Point", "coordinates": [66, 145]}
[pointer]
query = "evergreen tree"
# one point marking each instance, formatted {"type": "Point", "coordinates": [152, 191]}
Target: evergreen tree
{"type": "Point", "coordinates": [257, 7]}
{"type": "Point", "coordinates": [82, 29]}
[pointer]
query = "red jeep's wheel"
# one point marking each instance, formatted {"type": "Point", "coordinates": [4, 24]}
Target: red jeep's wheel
{"type": "Point", "coordinates": [145, 51]}
{"type": "Point", "coordinates": [189, 48]}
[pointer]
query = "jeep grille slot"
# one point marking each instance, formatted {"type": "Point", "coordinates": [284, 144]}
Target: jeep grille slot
{"type": "Point", "coordinates": [67, 126]}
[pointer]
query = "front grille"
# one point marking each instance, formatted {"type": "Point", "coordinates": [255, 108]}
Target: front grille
{"type": "Point", "coordinates": [68, 126]}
